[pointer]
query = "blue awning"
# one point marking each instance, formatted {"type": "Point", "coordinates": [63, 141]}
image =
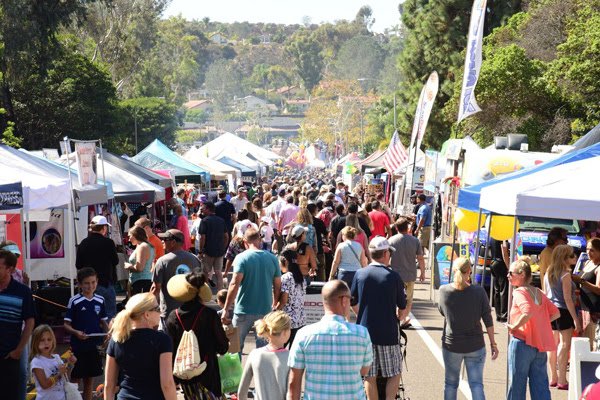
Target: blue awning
{"type": "Point", "coordinates": [246, 171]}
{"type": "Point", "coordinates": [468, 197]}
{"type": "Point", "coordinates": [158, 156]}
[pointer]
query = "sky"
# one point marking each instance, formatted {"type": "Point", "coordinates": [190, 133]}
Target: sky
{"type": "Point", "coordinates": [385, 12]}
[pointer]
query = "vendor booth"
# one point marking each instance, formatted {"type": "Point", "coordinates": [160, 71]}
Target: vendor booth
{"type": "Point", "coordinates": [157, 156]}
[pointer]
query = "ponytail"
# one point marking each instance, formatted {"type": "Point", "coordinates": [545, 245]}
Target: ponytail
{"type": "Point", "coordinates": [123, 322]}
{"type": "Point", "coordinates": [121, 326]}
{"type": "Point", "coordinates": [273, 324]}
{"type": "Point", "coordinates": [461, 266]}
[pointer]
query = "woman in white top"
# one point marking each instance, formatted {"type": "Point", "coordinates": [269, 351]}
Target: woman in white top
{"type": "Point", "coordinates": [349, 257]}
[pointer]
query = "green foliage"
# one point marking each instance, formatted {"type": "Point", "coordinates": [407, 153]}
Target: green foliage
{"type": "Point", "coordinates": [74, 98]}
{"type": "Point", "coordinates": [224, 82]}
{"type": "Point", "coordinates": [190, 136]}
{"type": "Point", "coordinates": [197, 116]}
{"type": "Point", "coordinates": [305, 50]}
{"type": "Point", "coordinates": [154, 118]}
{"type": "Point", "coordinates": [435, 41]}
{"type": "Point", "coordinates": [360, 58]}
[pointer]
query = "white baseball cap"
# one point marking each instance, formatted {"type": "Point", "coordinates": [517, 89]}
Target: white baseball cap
{"type": "Point", "coordinates": [380, 243]}
{"type": "Point", "coordinates": [244, 225]}
{"type": "Point", "coordinates": [298, 231]}
{"type": "Point", "coordinates": [100, 220]}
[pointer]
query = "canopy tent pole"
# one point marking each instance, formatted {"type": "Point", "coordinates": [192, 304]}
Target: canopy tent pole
{"type": "Point", "coordinates": [25, 249]}
{"type": "Point", "coordinates": [71, 207]}
{"type": "Point", "coordinates": [69, 251]}
{"type": "Point", "coordinates": [513, 252]}
{"type": "Point", "coordinates": [485, 255]}
{"type": "Point", "coordinates": [477, 242]}
{"type": "Point", "coordinates": [452, 251]}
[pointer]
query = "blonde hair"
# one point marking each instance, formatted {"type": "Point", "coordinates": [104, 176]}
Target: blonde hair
{"type": "Point", "coordinates": [302, 202]}
{"type": "Point", "coordinates": [560, 254]}
{"type": "Point", "coordinates": [273, 324]}
{"type": "Point", "coordinates": [349, 233]}
{"type": "Point", "coordinates": [136, 306]}
{"type": "Point", "coordinates": [523, 266]}
{"type": "Point", "coordinates": [461, 266]}
{"type": "Point", "coordinates": [304, 217]}
{"type": "Point", "coordinates": [36, 338]}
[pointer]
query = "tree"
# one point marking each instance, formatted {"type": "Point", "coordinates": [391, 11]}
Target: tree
{"type": "Point", "coordinates": [74, 98]}
{"type": "Point", "coordinates": [153, 117]}
{"type": "Point", "coordinates": [171, 70]}
{"type": "Point", "coordinates": [435, 40]}
{"type": "Point", "coordinates": [360, 58]}
{"type": "Point", "coordinates": [223, 81]}
{"type": "Point", "coordinates": [306, 53]}
{"type": "Point", "coordinates": [364, 17]}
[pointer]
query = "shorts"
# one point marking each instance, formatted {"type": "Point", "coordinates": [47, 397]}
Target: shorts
{"type": "Point", "coordinates": [564, 322]}
{"type": "Point", "coordinates": [387, 361]}
{"type": "Point", "coordinates": [88, 365]}
{"type": "Point", "coordinates": [410, 291]}
{"type": "Point", "coordinates": [425, 236]}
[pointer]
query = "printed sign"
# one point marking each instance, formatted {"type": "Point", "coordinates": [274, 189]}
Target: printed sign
{"type": "Point", "coordinates": [11, 196]}
{"type": "Point", "coordinates": [47, 237]}
{"type": "Point", "coordinates": [85, 154]}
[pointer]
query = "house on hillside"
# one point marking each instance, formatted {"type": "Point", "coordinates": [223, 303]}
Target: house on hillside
{"type": "Point", "coordinates": [254, 104]}
{"type": "Point", "coordinates": [218, 38]}
{"type": "Point", "coordinates": [204, 104]}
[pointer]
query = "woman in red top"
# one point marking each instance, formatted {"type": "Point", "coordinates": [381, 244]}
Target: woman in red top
{"type": "Point", "coordinates": [531, 335]}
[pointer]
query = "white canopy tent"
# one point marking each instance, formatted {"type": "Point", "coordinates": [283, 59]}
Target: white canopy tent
{"type": "Point", "coordinates": [229, 141]}
{"type": "Point", "coordinates": [565, 191]}
{"type": "Point", "coordinates": [218, 170]}
{"type": "Point", "coordinates": [126, 185]}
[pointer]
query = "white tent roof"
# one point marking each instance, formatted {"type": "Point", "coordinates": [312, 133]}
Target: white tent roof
{"type": "Point", "coordinates": [218, 170]}
{"type": "Point", "coordinates": [40, 191]}
{"type": "Point", "coordinates": [564, 191]}
{"type": "Point", "coordinates": [126, 186]}
{"type": "Point", "coordinates": [232, 142]}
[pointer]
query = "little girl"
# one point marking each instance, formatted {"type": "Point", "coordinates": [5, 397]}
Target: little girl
{"type": "Point", "coordinates": [47, 368]}
{"type": "Point", "coordinates": [268, 364]}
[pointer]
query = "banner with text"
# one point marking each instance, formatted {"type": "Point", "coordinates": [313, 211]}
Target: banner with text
{"type": "Point", "coordinates": [468, 105]}
{"type": "Point", "coordinates": [85, 154]}
{"type": "Point", "coordinates": [426, 100]}
{"type": "Point", "coordinates": [11, 196]}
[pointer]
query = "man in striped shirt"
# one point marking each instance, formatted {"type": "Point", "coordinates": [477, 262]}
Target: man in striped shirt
{"type": "Point", "coordinates": [335, 354]}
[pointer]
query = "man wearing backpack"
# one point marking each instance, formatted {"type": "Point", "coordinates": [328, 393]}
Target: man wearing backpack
{"type": "Point", "coordinates": [256, 279]}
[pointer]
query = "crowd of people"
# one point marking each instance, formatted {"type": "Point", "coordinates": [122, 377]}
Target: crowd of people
{"type": "Point", "coordinates": [258, 249]}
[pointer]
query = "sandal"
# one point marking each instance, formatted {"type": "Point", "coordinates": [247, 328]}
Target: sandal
{"type": "Point", "coordinates": [553, 384]}
{"type": "Point", "coordinates": [562, 387]}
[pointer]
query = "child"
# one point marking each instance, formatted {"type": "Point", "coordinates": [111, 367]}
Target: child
{"type": "Point", "coordinates": [86, 314]}
{"type": "Point", "coordinates": [47, 368]}
{"type": "Point", "coordinates": [230, 331]}
{"type": "Point", "coordinates": [293, 292]}
{"type": "Point", "coordinates": [268, 364]}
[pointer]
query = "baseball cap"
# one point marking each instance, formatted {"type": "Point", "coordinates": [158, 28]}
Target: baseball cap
{"type": "Point", "coordinates": [298, 231]}
{"type": "Point", "coordinates": [380, 243]}
{"type": "Point", "coordinates": [100, 220]}
{"type": "Point", "coordinates": [243, 226]}
{"type": "Point", "coordinates": [172, 234]}
{"type": "Point", "coordinates": [242, 189]}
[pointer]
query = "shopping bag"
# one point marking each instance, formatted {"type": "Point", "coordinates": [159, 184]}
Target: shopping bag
{"type": "Point", "coordinates": [72, 391]}
{"type": "Point", "coordinates": [187, 359]}
{"type": "Point", "coordinates": [234, 338]}
{"type": "Point", "coordinates": [230, 369]}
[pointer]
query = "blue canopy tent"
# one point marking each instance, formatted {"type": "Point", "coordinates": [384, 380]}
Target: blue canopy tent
{"type": "Point", "coordinates": [246, 171]}
{"type": "Point", "coordinates": [468, 197]}
{"type": "Point", "coordinates": [158, 156]}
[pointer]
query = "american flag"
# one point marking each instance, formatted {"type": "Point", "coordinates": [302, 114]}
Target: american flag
{"type": "Point", "coordinates": [396, 154]}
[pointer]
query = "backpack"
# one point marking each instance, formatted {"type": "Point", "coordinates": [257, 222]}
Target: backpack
{"type": "Point", "coordinates": [187, 363]}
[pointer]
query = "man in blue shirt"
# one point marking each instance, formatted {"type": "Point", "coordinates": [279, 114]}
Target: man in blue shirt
{"type": "Point", "coordinates": [16, 307]}
{"type": "Point", "coordinates": [423, 222]}
{"type": "Point", "coordinates": [255, 286]}
{"type": "Point", "coordinates": [379, 293]}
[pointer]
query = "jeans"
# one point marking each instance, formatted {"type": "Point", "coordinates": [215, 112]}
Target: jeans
{"type": "Point", "coordinates": [474, 362]}
{"type": "Point", "coordinates": [24, 373]}
{"type": "Point", "coordinates": [245, 322]}
{"type": "Point", "coordinates": [110, 300]}
{"type": "Point", "coordinates": [525, 362]}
